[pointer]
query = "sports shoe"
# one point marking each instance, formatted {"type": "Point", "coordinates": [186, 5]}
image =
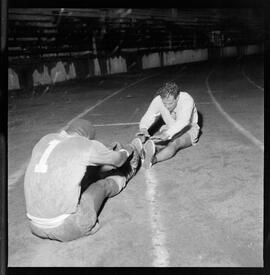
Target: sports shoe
{"type": "Point", "coordinates": [149, 151]}
{"type": "Point", "coordinates": [137, 143]}
{"type": "Point", "coordinates": [131, 166]}
{"type": "Point", "coordinates": [135, 161]}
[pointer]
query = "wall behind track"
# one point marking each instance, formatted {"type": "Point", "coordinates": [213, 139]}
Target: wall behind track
{"type": "Point", "coordinates": [29, 76]}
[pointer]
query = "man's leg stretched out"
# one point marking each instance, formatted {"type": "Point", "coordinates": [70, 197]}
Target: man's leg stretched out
{"type": "Point", "coordinates": [173, 147]}
{"type": "Point", "coordinates": [84, 222]}
{"type": "Point", "coordinates": [109, 187]}
{"type": "Point", "coordinates": [113, 184]}
{"type": "Point", "coordinates": [157, 153]}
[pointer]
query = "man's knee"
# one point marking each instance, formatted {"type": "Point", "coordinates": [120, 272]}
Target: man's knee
{"type": "Point", "coordinates": [114, 184]}
{"type": "Point", "coordinates": [182, 142]}
{"type": "Point", "coordinates": [172, 147]}
{"type": "Point", "coordinates": [163, 128]}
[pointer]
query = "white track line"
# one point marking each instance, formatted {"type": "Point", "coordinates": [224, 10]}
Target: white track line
{"type": "Point", "coordinates": [204, 103]}
{"type": "Point", "coordinates": [252, 82]}
{"type": "Point", "coordinates": [239, 127]}
{"type": "Point", "coordinates": [116, 124]}
{"type": "Point", "coordinates": [15, 177]}
{"type": "Point", "coordinates": [108, 97]}
{"type": "Point", "coordinates": [161, 255]}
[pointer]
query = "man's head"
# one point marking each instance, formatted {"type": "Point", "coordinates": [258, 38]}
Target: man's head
{"type": "Point", "coordinates": [81, 127]}
{"type": "Point", "coordinates": [169, 94]}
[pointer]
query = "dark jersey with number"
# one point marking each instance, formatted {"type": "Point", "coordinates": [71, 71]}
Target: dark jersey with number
{"type": "Point", "coordinates": [54, 173]}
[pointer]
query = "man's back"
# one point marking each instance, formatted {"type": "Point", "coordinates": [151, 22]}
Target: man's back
{"type": "Point", "coordinates": [52, 179]}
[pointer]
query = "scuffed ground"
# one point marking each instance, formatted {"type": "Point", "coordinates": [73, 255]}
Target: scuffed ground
{"type": "Point", "coordinates": [209, 198]}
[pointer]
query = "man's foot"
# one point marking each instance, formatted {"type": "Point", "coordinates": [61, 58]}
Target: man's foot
{"type": "Point", "coordinates": [132, 164]}
{"type": "Point", "coordinates": [149, 151]}
{"type": "Point", "coordinates": [137, 143]}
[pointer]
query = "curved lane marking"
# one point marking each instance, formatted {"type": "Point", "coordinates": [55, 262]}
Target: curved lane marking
{"type": "Point", "coordinates": [16, 176]}
{"type": "Point", "coordinates": [252, 82]}
{"type": "Point", "coordinates": [161, 255]}
{"type": "Point", "coordinates": [239, 127]}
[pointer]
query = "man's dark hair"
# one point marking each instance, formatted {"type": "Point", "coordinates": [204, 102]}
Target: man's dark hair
{"type": "Point", "coordinates": [169, 88]}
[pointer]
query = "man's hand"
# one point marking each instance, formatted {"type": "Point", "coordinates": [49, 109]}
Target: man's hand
{"type": "Point", "coordinates": [143, 134]}
{"type": "Point", "coordinates": [128, 149]}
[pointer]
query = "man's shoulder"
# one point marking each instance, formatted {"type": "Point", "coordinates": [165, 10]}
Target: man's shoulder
{"type": "Point", "coordinates": [184, 93]}
{"type": "Point", "coordinates": [157, 99]}
{"type": "Point", "coordinates": [83, 142]}
{"type": "Point", "coordinates": [47, 138]}
{"type": "Point", "coordinates": [185, 96]}
{"type": "Point", "coordinates": [80, 141]}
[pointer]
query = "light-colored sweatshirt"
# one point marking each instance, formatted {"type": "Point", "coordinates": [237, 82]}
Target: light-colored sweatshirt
{"type": "Point", "coordinates": [184, 114]}
{"type": "Point", "coordinates": [52, 182]}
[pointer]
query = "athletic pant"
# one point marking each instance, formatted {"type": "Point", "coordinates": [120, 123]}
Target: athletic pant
{"type": "Point", "coordinates": [84, 221]}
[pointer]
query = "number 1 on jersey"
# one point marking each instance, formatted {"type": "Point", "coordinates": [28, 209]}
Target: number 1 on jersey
{"type": "Point", "coordinates": [42, 166]}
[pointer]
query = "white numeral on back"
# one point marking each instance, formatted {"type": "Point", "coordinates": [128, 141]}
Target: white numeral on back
{"type": "Point", "coordinates": [42, 166]}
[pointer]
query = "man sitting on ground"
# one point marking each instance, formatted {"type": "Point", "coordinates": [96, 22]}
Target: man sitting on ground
{"type": "Point", "coordinates": [177, 112]}
{"type": "Point", "coordinates": [69, 177]}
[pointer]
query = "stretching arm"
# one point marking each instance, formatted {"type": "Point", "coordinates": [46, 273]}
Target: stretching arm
{"type": "Point", "coordinates": [183, 117]}
{"type": "Point", "coordinates": [152, 112]}
{"type": "Point", "coordinates": [100, 155]}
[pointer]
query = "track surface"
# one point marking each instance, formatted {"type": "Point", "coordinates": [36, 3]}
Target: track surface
{"type": "Point", "coordinates": [203, 208]}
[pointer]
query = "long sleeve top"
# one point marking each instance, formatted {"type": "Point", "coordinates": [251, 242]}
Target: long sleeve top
{"type": "Point", "coordinates": [53, 177]}
{"type": "Point", "coordinates": [184, 114]}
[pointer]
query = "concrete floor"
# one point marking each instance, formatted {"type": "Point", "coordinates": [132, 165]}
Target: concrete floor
{"type": "Point", "coordinates": [203, 208]}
